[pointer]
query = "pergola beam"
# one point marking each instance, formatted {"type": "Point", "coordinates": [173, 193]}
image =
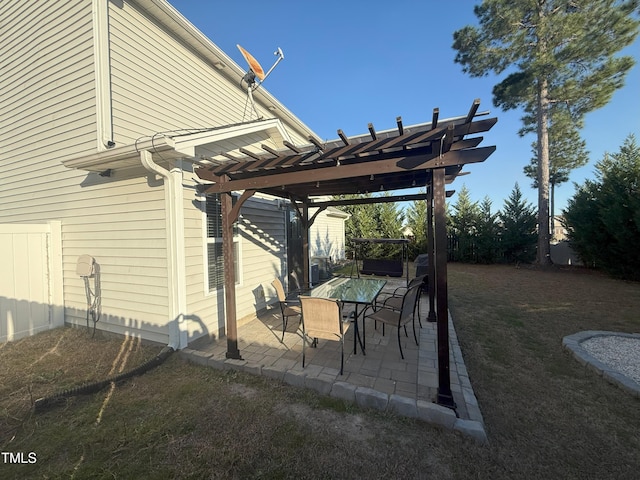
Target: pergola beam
{"type": "Point", "coordinates": [396, 164]}
{"type": "Point", "coordinates": [342, 151]}
{"type": "Point", "coordinates": [370, 200]}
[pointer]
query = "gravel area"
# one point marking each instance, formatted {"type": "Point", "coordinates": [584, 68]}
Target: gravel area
{"type": "Point", "coordinates": [620, 353]}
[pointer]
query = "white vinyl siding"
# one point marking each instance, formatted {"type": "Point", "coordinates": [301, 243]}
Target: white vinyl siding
{"type": "Point", "coordinates": [123, 227]}
{"type": "Point", "coordinates": [160, 85]}
{"type": "Point", "coordinates": [263, 232]}
{"type": "Point", "coordinates": [48, 114]}
{"type": "Point", "coordinates": [262, 254]}
{"type": "Point", "coordinates": [47, 83]}
{"type": "Point", "coordinates": [326, 236]}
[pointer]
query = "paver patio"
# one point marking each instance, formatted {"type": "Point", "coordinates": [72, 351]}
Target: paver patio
{"type": "Point", "coordinates": [380, 379]}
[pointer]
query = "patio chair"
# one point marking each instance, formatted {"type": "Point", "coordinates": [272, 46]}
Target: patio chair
{"type": "Point", "coordinates": [394, 300]}
{"type": "Point", "coordinates": [288, 307]}
{"type": "Point", "coordinates": [322, 318]}
{"type": "Point", "coordinates": [397, 318]}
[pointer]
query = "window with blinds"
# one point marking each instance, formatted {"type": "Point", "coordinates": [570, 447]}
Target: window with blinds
{"type": "Point", "coordinates": [215, 256]}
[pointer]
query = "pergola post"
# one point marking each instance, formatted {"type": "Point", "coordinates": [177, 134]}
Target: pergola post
{"type": "Point", "coordinates": [229, 276]}
{"type": "Point", "coordinates": [230, 214]}
{"type": "Point", "coordinates": [305, 244]}
{"type": "Point", "coordinates": [445, 396]}
{"type": "Point", "coordinates": [431, 252]}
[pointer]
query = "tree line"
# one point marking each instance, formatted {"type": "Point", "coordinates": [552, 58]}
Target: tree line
{"type": "Point", "coordinates": [560, 61]}
{"type": "Point", "coordinates": [602, 220]}
{"type": "Point", "coordinates": [476, 234]}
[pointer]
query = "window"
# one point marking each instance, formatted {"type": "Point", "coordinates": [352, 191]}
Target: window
{"type": "Point", "coordinates": [215, 257]}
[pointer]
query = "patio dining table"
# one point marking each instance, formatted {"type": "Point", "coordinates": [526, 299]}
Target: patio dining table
{"type": "Point", "coordinates": [358, 291]}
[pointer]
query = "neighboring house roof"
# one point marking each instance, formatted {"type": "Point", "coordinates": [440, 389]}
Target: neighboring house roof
{"type": "Point", "coordinates": [407, 231]}
{"type": "Point", "coordinates": [337, 213]}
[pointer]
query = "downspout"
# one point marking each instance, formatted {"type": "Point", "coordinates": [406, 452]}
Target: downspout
{"type": "Point", "coordinates": [177, 287]}
{"type": "Point", "coordinates": [102, 71]}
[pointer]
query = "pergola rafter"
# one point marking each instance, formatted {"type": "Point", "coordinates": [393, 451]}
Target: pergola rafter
{"type": "Point", "coordinates": [429, 155]}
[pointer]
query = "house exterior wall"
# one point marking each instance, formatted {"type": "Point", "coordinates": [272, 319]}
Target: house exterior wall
{"type": "Point", "coordinates": [157, 82]}
{"type": "Point", "coordinates": [161, 85]}
{"type": "Point", "coordinates": [262, 253]}
{"type": "Point", "coordinates": [326, 235]}
{"type": "Point", "coordinates": [48, 113]}
{"type": "Point", "coordinates": [47, 87]}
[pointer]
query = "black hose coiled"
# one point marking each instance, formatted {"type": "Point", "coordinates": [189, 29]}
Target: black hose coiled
{"type": "Point", "coordinates": [44, 402]}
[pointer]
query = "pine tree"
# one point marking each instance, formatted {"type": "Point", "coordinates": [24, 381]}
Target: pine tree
{"type": "Point", "coordinates": [416, 215]}
{"type": "Point", "coordinates": [464, 221]}
{"type": "Point", "coordinates": [560, 53]}
{"type": "Point", "coordinates": [488, 234]}
{"type": "Point", "coordinates": [585, 230]}
{"type": "Point", "coordinates": [362, 222]}
{"type": "Point", "coordinates": [567, 151]}
{"type": "Point", "coordinates": [389, 220]}
{"type": "Point", "coordinates": [518, 233]}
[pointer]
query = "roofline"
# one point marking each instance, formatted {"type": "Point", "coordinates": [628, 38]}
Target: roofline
{"type": "Point", "coordinates": [178, 24]}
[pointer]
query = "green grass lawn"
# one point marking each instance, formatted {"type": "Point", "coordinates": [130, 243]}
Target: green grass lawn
{"type": "Point", "coordinates": [546, 416]}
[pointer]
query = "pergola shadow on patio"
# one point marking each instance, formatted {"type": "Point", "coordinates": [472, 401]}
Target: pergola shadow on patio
{"type": "Point", "coordinates": [380, 379]}
{"type": "Point", "coordinates": [428, 155]}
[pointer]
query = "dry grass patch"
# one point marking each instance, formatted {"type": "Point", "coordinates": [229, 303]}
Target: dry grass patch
{"type": "Point", "coordinates": [547, 417]}
{"type": "Point", "coordinates": [186, 421]}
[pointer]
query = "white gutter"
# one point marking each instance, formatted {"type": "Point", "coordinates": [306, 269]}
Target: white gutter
{"type": "Point", "coordinates": [168, 148]}
{"type": "Point", "coordinates": [100, 10]}
{"type": "Point", "coordinates": [126, 156]}
{"type": "Point", "coordinates": [176, 278]}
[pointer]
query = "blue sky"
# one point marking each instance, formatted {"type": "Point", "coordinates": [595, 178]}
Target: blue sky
{"type": "Point", "coordinates": [348, 63]}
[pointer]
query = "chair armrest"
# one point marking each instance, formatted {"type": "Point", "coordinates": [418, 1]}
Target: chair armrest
{"type": "Point", "coordinates": [375, 307]}
{"type": "Point", "coordinates": [388, 307]}
{"type": "Point", "coordinates": [381, 300]}
{"type": "Point", "coordinates": [396, 294]}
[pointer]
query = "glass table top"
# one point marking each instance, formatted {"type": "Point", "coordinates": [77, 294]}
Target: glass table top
{"type": "Point", "coordinates": [352, 290]}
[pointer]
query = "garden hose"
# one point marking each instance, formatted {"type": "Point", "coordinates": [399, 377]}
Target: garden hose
{"type": "Point", "coordinates": [45, 402]}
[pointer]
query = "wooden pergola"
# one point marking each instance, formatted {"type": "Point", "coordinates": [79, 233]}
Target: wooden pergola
{"type": "Point", "coordinates": [429, 155]}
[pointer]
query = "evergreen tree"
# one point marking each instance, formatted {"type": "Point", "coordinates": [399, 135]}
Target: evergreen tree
{"type": "Point", "coordinates": [417, 220]}
{"type": "Point", "coordinates": [561, 53]}
{"type": "Point", "coordinates": [585, 230]}
{"type": "Point", "coordinates": [362, 222]}
{"type": "Point", "coordinates": [518, 233]}
{"type": "Point", "coordinates": [464, 221]}
{"type": "Point", "coordinates": [603, 218]}
{"type": "Point", "coordinates": [389, 220]}
{"type": "Point", "coordinates": [372, 220]}
{"type": "Point", "coordinates": [488, 234]}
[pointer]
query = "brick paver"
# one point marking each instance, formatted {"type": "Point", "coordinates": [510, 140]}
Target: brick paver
{"type": "Point", "coordinates": [371, 379]}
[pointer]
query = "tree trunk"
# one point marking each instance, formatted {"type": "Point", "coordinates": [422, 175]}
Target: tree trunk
{"type": "Point", "coordinates": [552, 214]}
{"type": "Point", "coordinates": [544, 248]}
